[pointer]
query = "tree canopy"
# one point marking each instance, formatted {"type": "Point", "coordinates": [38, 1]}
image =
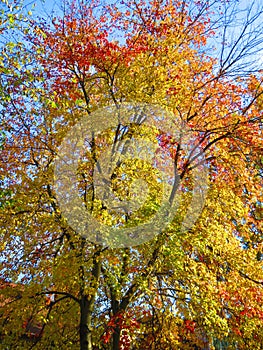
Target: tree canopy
{"type": "Point", "coordinates": [172, 93]}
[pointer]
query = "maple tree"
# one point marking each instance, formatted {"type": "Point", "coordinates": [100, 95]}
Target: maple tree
{"type": "Point", "coordinates": [188, 288]}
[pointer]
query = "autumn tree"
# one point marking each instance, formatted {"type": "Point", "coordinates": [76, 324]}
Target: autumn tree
{"type": "Point", "coordinates": [94, 75]}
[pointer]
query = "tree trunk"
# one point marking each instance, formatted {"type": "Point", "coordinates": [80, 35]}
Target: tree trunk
{"type": "Point", "coordinates": [84, 331]}
{"type": "Point", "coordinates": [87, 302]}
{"type": "Point", "coordinates": [116, 339]}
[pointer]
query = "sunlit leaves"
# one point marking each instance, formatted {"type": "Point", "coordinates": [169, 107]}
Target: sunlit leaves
{"type": "Point", "coordinates": [194, 287]}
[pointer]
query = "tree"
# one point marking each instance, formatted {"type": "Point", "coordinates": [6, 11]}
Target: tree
{"type": "Point", "coordinates": [195, 283]}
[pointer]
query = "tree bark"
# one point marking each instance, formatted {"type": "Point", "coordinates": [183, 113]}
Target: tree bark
{"type": "Point", "coordinates": [87, 303]}
{"type": "Point", "coordinates": [116, 339]}
{"type": "Point", "coordinates": [84, 331]}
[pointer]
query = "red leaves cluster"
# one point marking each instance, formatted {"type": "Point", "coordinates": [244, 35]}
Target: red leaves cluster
{"type": "Point", "coordinates": [124, 323]}
{"type": "Point", "coordinates": [167, 143]}
{"type": "Point", "coordinates": [249, 307]}
{"type": "Point", "coordinates": [189, 326]}
{"type": "Point", "coordinates": [82, 42]}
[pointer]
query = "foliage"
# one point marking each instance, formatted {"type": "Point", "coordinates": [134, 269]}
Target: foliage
{"type": "Point", "coordinates": [186, 288]}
